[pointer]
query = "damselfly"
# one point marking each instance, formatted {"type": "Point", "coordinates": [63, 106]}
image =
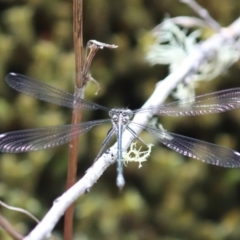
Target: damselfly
{"type": "Point", "coordinates": [48, 137]}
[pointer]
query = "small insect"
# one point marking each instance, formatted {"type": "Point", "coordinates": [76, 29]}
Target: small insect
{"type": "Point", "coordinates": [48, 137]}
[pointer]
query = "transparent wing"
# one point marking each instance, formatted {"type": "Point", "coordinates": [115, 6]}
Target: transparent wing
{"type": "Point", "coordinates": [48, 93]}
{"type": "Point", "coordinates": [43, 138]}
{"type": "Point", "coordinates": [200, 150]}
{"type": "Point", "coordinates": [215, 102]}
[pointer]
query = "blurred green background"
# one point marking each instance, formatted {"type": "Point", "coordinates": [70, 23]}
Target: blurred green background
{"type": "Point", "coordinates": [170, 197]}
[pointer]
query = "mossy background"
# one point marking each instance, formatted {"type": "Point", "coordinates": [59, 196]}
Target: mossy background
{"type": "Point", "coordinates": [170, 197]}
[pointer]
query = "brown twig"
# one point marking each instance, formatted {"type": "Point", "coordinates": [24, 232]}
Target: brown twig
{"type": "Point", "coordinates": [81, 78]}
{"type": "Point", "coordinates": [9, 229]}
{"type": "Point", "coordinates": [76, 115]}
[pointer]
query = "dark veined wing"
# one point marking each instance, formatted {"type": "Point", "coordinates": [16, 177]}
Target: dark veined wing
{"type": "Point", "coordinates": [47, 93]}
{"type": "Point", "coordinates": [42, 138]}
{"type": "Point", "coordinates": [200, 150]}
{"type": "Point", "coordinates": [215, 102]}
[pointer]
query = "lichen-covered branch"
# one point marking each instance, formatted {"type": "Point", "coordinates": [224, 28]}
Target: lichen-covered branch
{"type": "Point", "coordinates": [190, 64]}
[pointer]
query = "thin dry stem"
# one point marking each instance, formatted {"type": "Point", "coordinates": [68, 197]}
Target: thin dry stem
{"type": "Point", "coordinates": [9, 229]}
{"type": "Point", "coordinates": [81, 78]}
{"type": "Point", "coordinates": [19, 210]}
{"type": "Point", "coordinates": [77, 114]}
{"type": "Point", "coordinates": [203, 13]}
